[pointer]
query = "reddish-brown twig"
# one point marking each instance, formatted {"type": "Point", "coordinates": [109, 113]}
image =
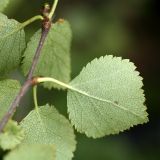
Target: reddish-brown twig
{"type": "Point", "coordinates": [46, 24]}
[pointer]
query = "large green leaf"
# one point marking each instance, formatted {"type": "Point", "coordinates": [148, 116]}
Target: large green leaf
{"type": "Point", "coordinates": [49, 127]}
{"type": "Point", "coordinates": [32, 152]}
{"type": "Point", "coordinates": [8, 91]}
{"type": "Point", "coordinates": [3, 4]}
{"type": "Point", "coordinates": [12, 43]}
{"type": "Point", "coordinates": [106, 97]}
{"type": "Point", "coordinates": [55, 55]}
{"type": "Point", "coordinates": [12, 136]}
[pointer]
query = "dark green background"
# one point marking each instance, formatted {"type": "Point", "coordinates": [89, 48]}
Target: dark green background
{"type": "Point", "coordinates": [127, 28]}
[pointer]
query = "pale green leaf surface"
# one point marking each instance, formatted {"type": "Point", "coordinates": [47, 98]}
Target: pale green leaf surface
{"type": "Point", "coordinates": [12, 43]}
{"type": "Point", "coordinates": [32, 152]}
{"type": "Point", "coordinates": [8, 91]}
{"type": "Point", "coordinates": [54, 60]}
{"type": "Point", "coordinates": [3, 4]}
{"type": "Point", "coordinates": [49, 127]}
{"type": "Point", "coordinates": [106, 97]}
{"type": "Point", "coordinates": [11, 136]}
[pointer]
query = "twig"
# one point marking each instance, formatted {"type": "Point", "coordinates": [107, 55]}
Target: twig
{"type": "Point", "coordinates": [46, 24]}
{"type": "Point", "coordinates": [14, 104]}
{"type": "Point", "coordinates": [45, 29]}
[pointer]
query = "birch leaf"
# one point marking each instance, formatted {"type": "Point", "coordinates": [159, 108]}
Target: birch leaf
{"type": "Point", "coordinates": [32, 152]}
{"type": "Point", "coordinates": [49, 127]}
{"type": "Point", "coordinates": [106, 97]}
{"type": "Point", "coordinates": [12, 43]}
{"type": "Point", "coordinates": [54, 60]}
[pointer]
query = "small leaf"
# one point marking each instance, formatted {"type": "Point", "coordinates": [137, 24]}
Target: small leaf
{"type": "Point", "coordinates": [12, 43]}
{"type": "Point", "coordinates": [8, 91]}
{"type": "Point", "coordinates": [12, 136]}
{"type": "Point", "coordinates": [3, 4]}
{"type": "Point", "coordinates": [55, 55]}
{"type": "Point", "coordinates": [32, 152]}
{"type": "Point", "coordinates": [106, 97]}
{"type": "Point", "coordinates": [49, 127]}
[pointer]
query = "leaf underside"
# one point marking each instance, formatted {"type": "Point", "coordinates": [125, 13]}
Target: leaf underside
{"type": "Point", "coordinates": [106, 98]}
{"type": "Point", "coordinates": [49, 127]}
{"type": "Point", "coordinates": [8, 91]}
{"type": "Point", "coordinates": [32, 152]}
{"type": "Point", "coordinates": [54, 60]}
{"type": "Point", "coordinates": [12, 43]}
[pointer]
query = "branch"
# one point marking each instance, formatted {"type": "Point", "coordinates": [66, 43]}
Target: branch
{"type": "Point", "coordinates": [45, 29]}
{"type": "Point", "coordinates": [15, 103]}
{"type": "Point", "coordinates": [46, 25]}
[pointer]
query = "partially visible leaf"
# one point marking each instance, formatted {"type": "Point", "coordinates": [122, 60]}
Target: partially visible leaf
{"type": "Point", "coordinates": [12, 43]}
{"type": "Point", "coordinates": [11, 136]}
{"type": "Point", "coordinates": [3, 4]}
{"type": "Point", "coordinates": [32, 152]}
{"type": "Point", "coordinates": [8, 91]}
{"type": "Point", "coordinates": [106, 98]}
{"type": "Point", "coordinates": [49, 127]}
{"type": "Point", "coordinates": [55, 55]}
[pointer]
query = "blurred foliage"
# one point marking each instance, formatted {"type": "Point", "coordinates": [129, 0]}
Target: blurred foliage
{"type": "Point", "coordinates": [128, 28]}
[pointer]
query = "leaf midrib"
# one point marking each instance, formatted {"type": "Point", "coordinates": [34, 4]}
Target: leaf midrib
{"type": "Point", "coordinates": [104, 100]}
